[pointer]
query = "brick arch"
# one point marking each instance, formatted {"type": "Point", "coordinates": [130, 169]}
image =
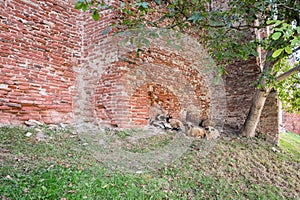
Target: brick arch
{"type": "Point", "coordinates": [149, 100]}
{"type": "Point", "coordinates": [187, 76]}
{"type": "Point", "coordinates": [122, 98]}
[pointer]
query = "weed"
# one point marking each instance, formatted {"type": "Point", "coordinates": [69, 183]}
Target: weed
{"type": "Point", "coordinates": [123, 133]}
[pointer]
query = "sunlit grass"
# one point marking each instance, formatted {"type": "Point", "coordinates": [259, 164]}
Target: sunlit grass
{"type": "Point", "coordinates": [291, 143]}
{"type": "Point", "coordinates": [60, 167]}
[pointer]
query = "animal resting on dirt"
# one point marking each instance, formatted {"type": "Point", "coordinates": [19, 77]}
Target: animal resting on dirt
{"type": "Point", "coordinates": [203, 130]}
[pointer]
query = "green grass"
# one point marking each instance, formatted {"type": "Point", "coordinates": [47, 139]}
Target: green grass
{"type": "Point", "coordinates": [133, 143]}
{"type": "Point", "coordinates": [291, 143]}
{"type": "Point", "coordinates": [123, 133]}
{"type": "Point", "coordinates": [60, 167]}
{"type": "Point", "coordinates": [144, 145]}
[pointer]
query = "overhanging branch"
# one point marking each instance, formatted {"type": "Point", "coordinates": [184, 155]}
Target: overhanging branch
{"type": "Point", "coordinates": [288, 73]}
{"type": "Point", "coordinates": [288, 7]}
{"type": "Point", "coordinates": [296, 49]}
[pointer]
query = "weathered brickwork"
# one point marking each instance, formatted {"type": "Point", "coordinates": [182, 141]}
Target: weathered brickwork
{"type": "Point", "coordinates": [240, 86]}
{"type": "Point", "coordinates": [239, 81]}
{"type": "Point", "coordinates": [291, 122]}
{"type": "Point", "coordinates": [39, 47]}
{"type": "Point", "coordinates": [134, 89]}
{"type": "Point", "coordinates": [269, 120]}
{"type": "Point", "coordinates": [150, 100]}
{"type": "Point", "coordinates": [56, 66]}
{"type": "Point", "coordinates": [94, 58]}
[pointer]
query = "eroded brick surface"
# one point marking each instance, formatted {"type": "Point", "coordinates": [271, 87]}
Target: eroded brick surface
{"type": "Point", "coordinates": [40, 46]}
{"type": "Point", "coordinates": [269, 120]}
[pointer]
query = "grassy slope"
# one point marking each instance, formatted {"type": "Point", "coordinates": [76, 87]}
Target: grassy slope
{"type": "Point", "coordinates": [61, 168]}
{"type": "Point", "coordinates": [291, 143]}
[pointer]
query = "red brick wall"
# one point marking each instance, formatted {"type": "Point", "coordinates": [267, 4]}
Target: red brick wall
{"type": "Point", "coordinates": [39, 47]}
{"type": "Point", "coordinates": [183, 82]}
{"type": "Point", "coordinates": [95, 52]}
{"type": "Point", "coordinates": [149, 99]}
{"type": "Point", "coordinates": [291, 122]}
{"type": "Point", "coordinates": [240, 86]}
{"type": "Point", "coordinates": [57, 66]}
{"type": "Point", "coordinates": [126, 91]}
{"type": "Point", "coordinates": [269, 120]}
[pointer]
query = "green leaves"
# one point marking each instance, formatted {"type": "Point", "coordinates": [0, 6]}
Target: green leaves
{"type": "Point", "coordinates": [84, 6]}
{"type": "Point", "coordinates": [143, 6]}
{"type": "Point", "coordinates": [95, 15]}
{"type": "Point", "coordinates": [276, 35]}
{"type": "Point", "coordinates": [284, 38]}
{"type": "Point", "coordinates": [289, 93]}
{"type": "Point", "coordinates": [220, 72]}
{"type": "Point", "coordinates": [298, 29]}
{"type": "Point", "coordinates": [78, 5]}
{"type": "Point", "coordinates": [277, 53]}
{"type": "Point", "coordinates": [288, 50]}
{"type": "Point", "coordinates": [90, 5]}
{"type": "Point", "coordinates": [275, 23]}
{"type": "Point", "coordinates": [295, 42]}
{"type": "Point", "coordinates": [196, 16]}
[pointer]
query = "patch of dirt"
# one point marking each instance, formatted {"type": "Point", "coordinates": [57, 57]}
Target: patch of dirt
{"type": "Point", "coordinates": [136, 150]}
{"type": "Point", "coordinates": [146, 144]}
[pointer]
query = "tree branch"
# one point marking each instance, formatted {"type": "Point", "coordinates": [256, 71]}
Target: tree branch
{"type": "Point", "coordinates": [287, 7]}
{"type": "Point", "coordinates": [296, 49]}
{"type": "Point", "coordinates": [207, 24]}
{"type": "Point", "coordinates": [288, 73]}
{"type": "Point", "coordinates": [240, 27]}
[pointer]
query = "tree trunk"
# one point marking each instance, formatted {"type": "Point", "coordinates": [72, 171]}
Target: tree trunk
{"type": "Point", "coordinates": [259, 98]}
{"type": "Point", "coordinates": [254, 114]}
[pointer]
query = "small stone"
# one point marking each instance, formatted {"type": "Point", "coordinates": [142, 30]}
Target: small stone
{"type": "Point", "coordinates": [33, 122]}
{"type": "Point", "coordinates": [53, 127]}
{"type": "Point", "coordinates": [8, 177]}
{"type": "Point", "coordinates": [28, 134]}
{"type": "Point", "coordinates": [176, 124]}
{"type": "Point", "coordinates": [41, 136]}
{"type": "Point", "coordinates": [62, 125]}
{"type": "Point", "coordinates": [160, 117]}
{"type": "Point", "coordinates": [74, 133]}
{"type": "Point", "coordinates": [38, 130]}
{"type": "Point", "coordinates": [205, 123]}
{"type": "Point", "coordinates": [275, 150]}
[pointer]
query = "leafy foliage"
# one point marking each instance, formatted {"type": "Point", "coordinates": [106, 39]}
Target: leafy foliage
{"type": "Point", "coordinates": [289, 93]}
